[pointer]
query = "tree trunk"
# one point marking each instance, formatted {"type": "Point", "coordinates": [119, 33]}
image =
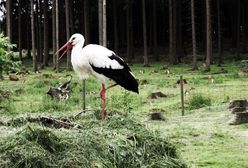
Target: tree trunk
{"type": "Point", "coordinates": [19, 29]}
{"type": "Point", "coordinates": [104, 24]}
{"type": "Point", "coordinates": [194, 66]}
{"type": "Point", "coordinates": [86, 22]}
{"type": "Point", "coordinates": [238, 30]}
{"type": "Point", "coordinates": [9, 19]}
{"type": "Point", "coordinates": [245, 25]}
{"type": "Point", "coordinates": [100, 20]}
{"type": "Point", "coordinates": [144, 32]}
{"type": "Point", "coordinates": [178, 28]}
{"type": "Point", "coordinates": [131, 30]}
{"type": "Point", "coordinates": [115, 18]}
{"type": "Point", "coordinates": [38, 31]}
{"type": "Point", "coordinates": [209, 35]}
{"type": "Point", "coordinates": [67, 22]}
{"type": "Point", "coordinates": [46, 36]}
{"type": "Point", "coordinates": [54, 32]}
{"type": "Point", "coordinates": [28, 24]}
{"type": "Point", "coordinates": [57, 34]}
{"type": "Point", "coordinates": [128, 16]}
{"type": "Point", "coordinates": [35, 66]}
{"type": "Point", "coordinates": [220, 51]}
{"type": "Point", "coordinates": [155, 43]}
{"type": "Point", "coordinates": [171, 30]}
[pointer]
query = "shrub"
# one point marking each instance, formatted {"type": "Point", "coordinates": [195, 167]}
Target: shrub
{"type": "Point", "coordinates": [198, 101]}
{"type": "Point", "coordinates": [6, 63]}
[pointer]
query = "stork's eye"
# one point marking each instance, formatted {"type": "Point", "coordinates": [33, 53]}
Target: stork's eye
{"type": "Point", "coordinates": [73, 38]}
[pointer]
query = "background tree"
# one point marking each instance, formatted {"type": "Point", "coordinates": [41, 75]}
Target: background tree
{"type": "Point", "coordinates": [194, 62]}
{"type": "Point", "coordinates": [125, 28]}
{"type": "Point", "coordinates": [34, 55]}
{"type": "Point", "coordinates": [46, 35]}
{"type": "Point", "coordinates": [209, 36]}
{"type": "Point", "coordinates": [20, 29]}
{"type": "Point", "coordinates": [9, 19]}
{"type": "Point", "coordinates": [220, 48]}
{"type": "Point", "coordinates": [68, 34]}
{"type": "Point", "coordinates": [144, 33]}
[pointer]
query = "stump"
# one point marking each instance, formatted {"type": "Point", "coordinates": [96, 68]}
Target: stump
{"type": "Point", "coordinates": [156, 116]}
{"type": "Point", "coordinates": [13, 77]}
{"type": "Point", "coordinates": [238, 108]}
{"type": "Point", "coordinates": [156, 95]}
{"type": "Point", "coordinates": [239, 118]}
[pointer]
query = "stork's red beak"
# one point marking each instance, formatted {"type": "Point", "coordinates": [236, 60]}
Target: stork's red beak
{"type": "Point", "coordinates": [66, 47]}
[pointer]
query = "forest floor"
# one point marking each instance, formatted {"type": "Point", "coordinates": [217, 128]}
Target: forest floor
{"type": "Point", "coordinates": [202, 136]}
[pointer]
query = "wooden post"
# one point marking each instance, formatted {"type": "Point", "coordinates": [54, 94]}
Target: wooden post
{"type": "Point", "coordinates": [182, 95]}
{"type": "Point", "coordinates": [84, 93]}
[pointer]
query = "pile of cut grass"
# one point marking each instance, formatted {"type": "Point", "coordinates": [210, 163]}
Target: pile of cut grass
{"type": "Point", "coordinates": [120, 141]}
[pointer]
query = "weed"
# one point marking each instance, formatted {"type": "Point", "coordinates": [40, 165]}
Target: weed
{"type": "Point", "coordinates": [197, 101]}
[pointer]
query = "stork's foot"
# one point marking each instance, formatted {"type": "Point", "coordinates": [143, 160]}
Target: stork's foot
{"type": "Point", "coordinates": [103, 114]}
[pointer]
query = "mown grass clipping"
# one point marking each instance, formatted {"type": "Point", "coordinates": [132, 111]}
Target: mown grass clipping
{"type": "Point", "coordinates": [119, 142]}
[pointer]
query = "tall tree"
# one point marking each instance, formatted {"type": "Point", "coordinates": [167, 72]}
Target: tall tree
{"type": "Point", "coordinates": [238, 31]}
{"type": "Point", "coordinates": [115, 18]}
{"type": "Point", "coordinates": [28, 24]}
{"type": "Point", "coordinates": [9, 19]}
{"type": "Point", "coordinates": [46, 36]}
{"type": "Point", "coordinates": [20, 29]}
{"type": "Point", "coordinates": [86, 22]}
{"type": "Point", "coordinates": [244, 26]}
{"type": "Point", "coordinates": [154, 19]}
{"type": "Point", "coordinates": [57, 33]}
{"type": "Point", "coordinates": [35, 64]}
{"type": "Point", "coordinates": [144, 33]}
{"type": "Point", "coordinates": [129, 29]}
{"type": "Point", "coordinates": [209, 35]}
{"type": "Point", "coordinates": [194, 62]}
{"type": "Point", "coordinates": [171, 33]}
{"type": "Point", "coordinates": [104, 24]}
{"type": "Point", "coordinates": [38, 21]}
{"type": "Point", "coordinates": [100, 20]}
{"type": "Point", "coordinates": [178, 33]}
{"type": "Point", "coordinates": [67, 25]}
{"type": "Point", "coordinates": [220, 48]}
{"type": "Point", "coordinates": [54, 32]}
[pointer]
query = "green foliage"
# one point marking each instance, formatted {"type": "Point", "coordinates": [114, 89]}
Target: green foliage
{"type": "Point", "coordinates": [6, 63]}
{"type": "Point", "coordinates": [198, 101]}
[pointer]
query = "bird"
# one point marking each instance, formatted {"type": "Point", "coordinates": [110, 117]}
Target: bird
{"type": "Point", "coordinates": [100, 62]}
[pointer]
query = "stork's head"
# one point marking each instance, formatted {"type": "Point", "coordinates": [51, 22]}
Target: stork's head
{"type": "Point", "coordinates": [75, 39]}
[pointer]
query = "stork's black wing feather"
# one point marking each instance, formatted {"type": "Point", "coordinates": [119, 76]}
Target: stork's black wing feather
{"type": "Point", "coordinates": [122, 77]}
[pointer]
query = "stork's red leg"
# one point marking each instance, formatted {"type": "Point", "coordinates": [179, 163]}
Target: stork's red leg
{"type": "Point", "coordinates": [102, 94]}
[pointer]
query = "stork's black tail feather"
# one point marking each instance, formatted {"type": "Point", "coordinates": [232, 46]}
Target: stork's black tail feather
{"type": "Point", "coordinates": [122, 77]}
{"type": "Point", "coordinates": [128, 81]}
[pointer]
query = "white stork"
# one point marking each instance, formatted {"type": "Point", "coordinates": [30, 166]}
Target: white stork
{"type": "Point", "coordinates": [101, 63]}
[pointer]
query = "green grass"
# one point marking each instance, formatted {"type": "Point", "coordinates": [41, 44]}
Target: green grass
{"type": "Point", "coordinates": [202, 136]}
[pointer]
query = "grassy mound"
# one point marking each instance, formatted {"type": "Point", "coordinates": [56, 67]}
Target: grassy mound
{"type": "Point", "coordinates": [119, 142]}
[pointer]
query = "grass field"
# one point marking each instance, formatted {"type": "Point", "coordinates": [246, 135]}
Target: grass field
{"type": "Point", "coordinates": [202, 137]}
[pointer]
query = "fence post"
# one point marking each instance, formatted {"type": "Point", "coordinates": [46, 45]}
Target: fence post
{"type": "Point", "coordinates": [182, 95]}
{"type": "Point", "coordinates": [84, 103]}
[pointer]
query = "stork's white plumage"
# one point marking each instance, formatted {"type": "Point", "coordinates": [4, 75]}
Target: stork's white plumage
{"type": "Point", "coordinates": [101, 63]}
